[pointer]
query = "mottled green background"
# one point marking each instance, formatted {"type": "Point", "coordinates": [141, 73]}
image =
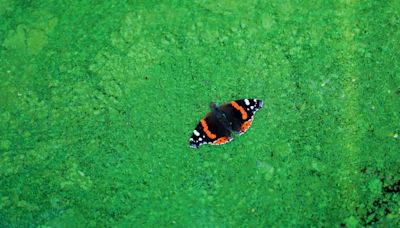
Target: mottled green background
{"type": "Point", "coordinates": [99, 98]}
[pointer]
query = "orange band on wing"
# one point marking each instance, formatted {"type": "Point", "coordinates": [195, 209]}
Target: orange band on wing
{"type": "Point", "coordinates": [238, 107]}
{"type": "Point", "coordinates": [221, 140]}
{"type": "Point", "coordinates": [205, 128]}
{"type": "Point", "coordinates": [246, 125]}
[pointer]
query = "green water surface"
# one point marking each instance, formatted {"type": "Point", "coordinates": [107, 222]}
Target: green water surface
{"type": "Point", "coordinates": [98, 100]}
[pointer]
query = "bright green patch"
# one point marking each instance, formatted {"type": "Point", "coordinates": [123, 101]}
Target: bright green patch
{"type": "Point", "coordinates": [98, 101]}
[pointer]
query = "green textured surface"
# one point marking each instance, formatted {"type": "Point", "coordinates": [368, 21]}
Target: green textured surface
{"type": "Point", "coordinates": [98, 101]}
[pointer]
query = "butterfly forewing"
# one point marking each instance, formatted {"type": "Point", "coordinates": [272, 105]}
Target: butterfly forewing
{"type": "Point", "coordinates": [241, 113]}
{"type": "Point", "coordinates": [209, 131]}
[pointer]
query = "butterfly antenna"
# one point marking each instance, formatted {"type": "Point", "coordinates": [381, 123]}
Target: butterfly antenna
{"type": "Point", "coordinates": [213, 106]}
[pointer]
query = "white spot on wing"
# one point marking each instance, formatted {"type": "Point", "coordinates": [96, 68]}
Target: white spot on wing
{"type": "Point", "coordinates": [247, 101]}
{"type": "Point", "coordinates": [252, 107]}
{"type": "Point", "coordinates": [200, 139]}
{"type": "Point", "coordinates": [196, 133]}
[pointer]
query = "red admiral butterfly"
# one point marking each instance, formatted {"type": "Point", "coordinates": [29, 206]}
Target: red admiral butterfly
{"type": "Point", "coordinates": [217, 127]}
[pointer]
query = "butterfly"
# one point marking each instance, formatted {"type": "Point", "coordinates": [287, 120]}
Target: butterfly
{"type": "Point", "coordinates": [217, 126]}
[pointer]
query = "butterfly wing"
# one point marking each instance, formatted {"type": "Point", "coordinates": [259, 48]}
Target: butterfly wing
{"type": "Point", "coordinates": [240, 113]}
{"type": "Point", "coordinates": [209, 131]}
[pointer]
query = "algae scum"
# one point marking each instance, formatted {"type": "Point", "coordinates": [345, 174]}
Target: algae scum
{"type": "Point", "coordinates": [98, 101]}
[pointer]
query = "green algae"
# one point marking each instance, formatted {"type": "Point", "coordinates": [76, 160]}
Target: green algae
{"type": "Point", "coordinates": [98, 100]}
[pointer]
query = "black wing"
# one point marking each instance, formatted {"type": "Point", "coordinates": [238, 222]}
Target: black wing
{"type": "Point", "coordinates": [240, 113]}
{"type": "Point", "coordinates": [209, 131]}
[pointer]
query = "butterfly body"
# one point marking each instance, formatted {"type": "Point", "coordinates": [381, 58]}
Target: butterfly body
{"type": "Point", "coordinates": [218, 125]}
